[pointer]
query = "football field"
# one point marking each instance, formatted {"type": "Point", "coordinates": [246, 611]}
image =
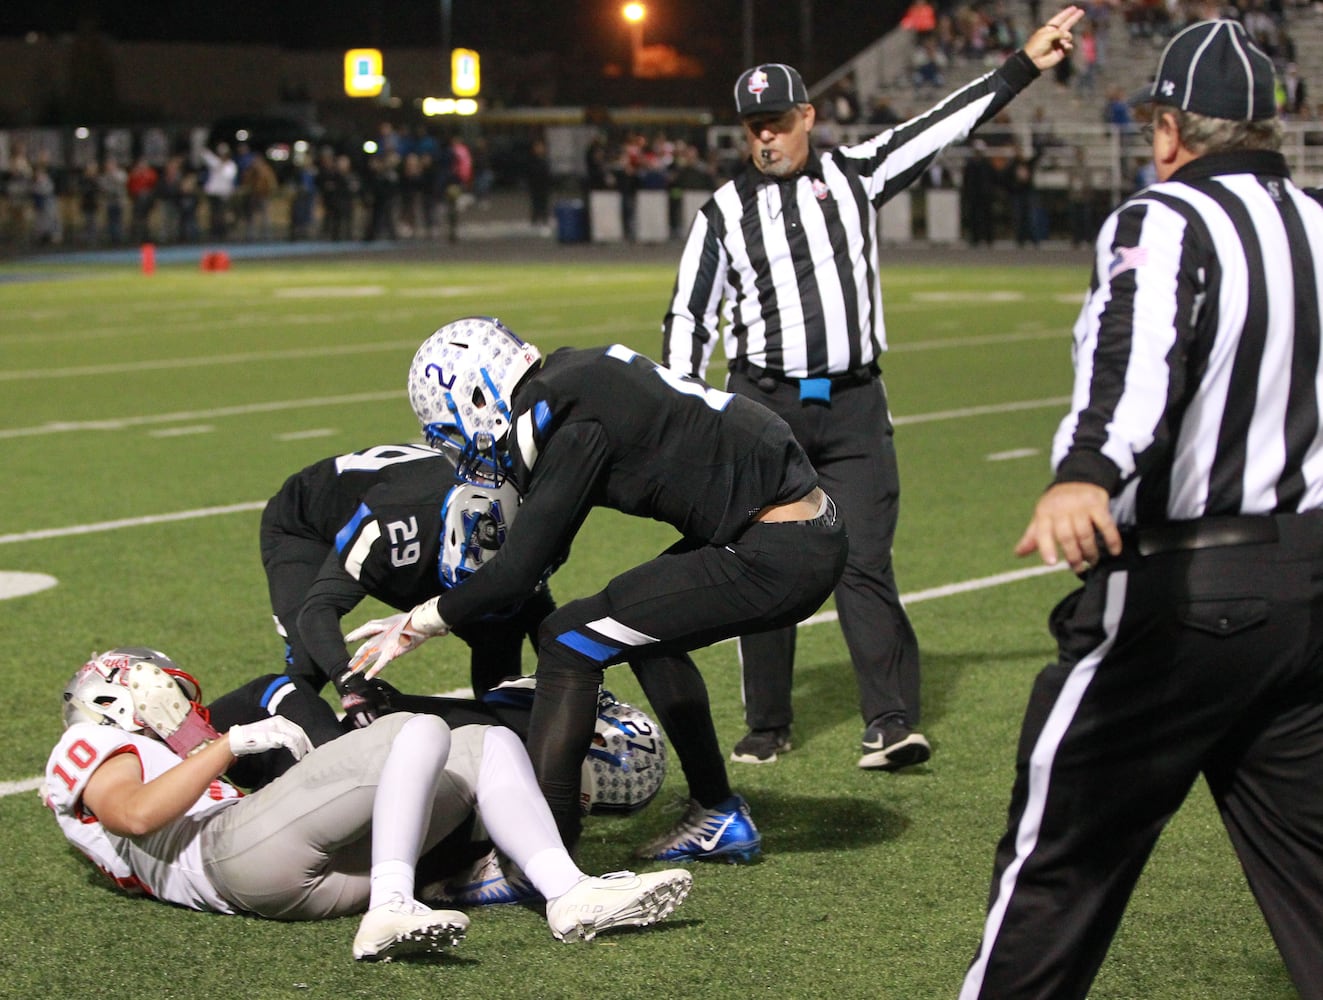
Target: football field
{"type": "Point", "coordinates": [145, 421]}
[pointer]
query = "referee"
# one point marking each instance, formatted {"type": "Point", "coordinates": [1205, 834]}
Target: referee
{"type": "Point", "coordinates": [784, 258]}
{"type": "Point", "coordinates": [1188, 495]}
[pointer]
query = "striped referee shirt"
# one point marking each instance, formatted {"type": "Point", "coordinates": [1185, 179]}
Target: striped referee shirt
{"type": "Point", "coordinates": [1198, 373]}
{"type": "Point", "coordinates": [789, 266]}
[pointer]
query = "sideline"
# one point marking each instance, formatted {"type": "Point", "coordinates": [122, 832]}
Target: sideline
{"type": "Point", "coordinates": [963, 587]}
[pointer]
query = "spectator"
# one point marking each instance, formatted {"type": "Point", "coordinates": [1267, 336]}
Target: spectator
{"type": "Point", "coordinates": [929, 65]}
{"type": "Point", "coordinates": [1079, 199]}
{"type": "Point", "coordinates": [303, 207]}
{"type": "Point", "coordinates": [688, 173]}
{"type": "Point", "coordinates": [1117, 112]}
{"type": "Point", "coordinates": [89, 202]}
{"type": "Point", "coordinates": [539, 187]}
{"type": "Point", "coordinates": [219, 186]}
{"type": "Point", "coordinates": [188, 203]}
{"type": "Point", "coordinates": [258, 187]}
{"type": "Point", "coordinates": [1018, 177]}
{"type": "Point", "coordinates": [978, 194]}
{"type": "Point", "coordinates": [1294, 96]}
{"type": "Point", "coordinates": [413, 192]}
{"type": "Point", "coordinates": [46, 224]}
{"type": "Point", "coordinates": [167, 197]}
{"type": "Point", "coordinates": [141, 188]}
{"type": "Point", "coordinates": [483, 176]}
{"type": "Point", "coordinates": [382, 193]}
{"type": "Point", "coordinates": [114, 192]}
{"type": "Point", "coordinates": [883, 113]}
{"type": "Point", "coordinates": [1145, 173]}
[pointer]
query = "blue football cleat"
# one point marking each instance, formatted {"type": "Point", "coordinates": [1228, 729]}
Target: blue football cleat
{"type": "Point", "coordinates": [723, 833]}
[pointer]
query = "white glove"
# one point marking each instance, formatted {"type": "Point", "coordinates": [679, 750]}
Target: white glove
{"type": "Point", "coordinates": [269, 734]}
{"type": "Point", "coordinates": [394, 636]}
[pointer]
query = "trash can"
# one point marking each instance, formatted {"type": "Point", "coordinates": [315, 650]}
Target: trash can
{"type": "Point", "coordinates": [571, 221]}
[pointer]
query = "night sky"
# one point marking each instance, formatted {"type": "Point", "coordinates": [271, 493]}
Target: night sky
{"type": "Point", "coordinates": [711, 30]}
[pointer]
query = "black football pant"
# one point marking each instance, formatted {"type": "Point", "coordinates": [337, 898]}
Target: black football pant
{"type": "Point", "coordinates": [850, 444]}
{"type": "Point", "coordinates": [690, 596]}
{"type": "Point", "coordinates": [1169, 666]}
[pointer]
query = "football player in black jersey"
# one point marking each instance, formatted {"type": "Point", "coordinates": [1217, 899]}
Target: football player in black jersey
{"type": "Point", "coordinates": [370, 523]}
{"type": "Point", "coordinates": [609, 427]}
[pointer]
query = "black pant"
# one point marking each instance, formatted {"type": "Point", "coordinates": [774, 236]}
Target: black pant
{"type": "Point", "coordinates": [1169, 666]}
{"type": "Point", "coordinates": [690, 596]}
{"type": "Point", "coordinates": [850, 444]}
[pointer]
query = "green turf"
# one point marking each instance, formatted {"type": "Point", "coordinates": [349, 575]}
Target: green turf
{"type": "Point", "coordinates": [127, 397]}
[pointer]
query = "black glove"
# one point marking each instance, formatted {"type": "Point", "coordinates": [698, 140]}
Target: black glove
{"type": "Point", "coordinates": [363, 700]}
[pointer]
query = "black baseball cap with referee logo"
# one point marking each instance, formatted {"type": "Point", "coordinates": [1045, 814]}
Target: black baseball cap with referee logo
{"type": "Point", "coordinates": [770, 89]}
{"type": "Point", "coordinates": [1213, 69]}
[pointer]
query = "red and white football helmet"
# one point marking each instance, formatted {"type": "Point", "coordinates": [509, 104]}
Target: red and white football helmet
{"type": "Point", "coordinates": [139, 690]}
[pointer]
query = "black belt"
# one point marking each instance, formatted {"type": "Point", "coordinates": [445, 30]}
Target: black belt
{"type": "Point", "coordinates": [1205, 533]}
{"type": "Point", "coordinates": [768, 379]}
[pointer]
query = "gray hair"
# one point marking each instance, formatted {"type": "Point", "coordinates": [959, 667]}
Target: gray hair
{"type": "Point", "coordinates": [1201, 134]}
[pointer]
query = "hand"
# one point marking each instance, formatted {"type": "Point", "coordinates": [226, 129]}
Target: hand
{"type": "Point", "coordinates": [1071, 515]}
{"type": "Point", "coordinates": [364, 701]}
{"type": "Point", "coordinates": [1052, 42]}
{"type": "Point", "coordinates": [391, 637]}
{"type": "Point", "coordinates": [269, 734]}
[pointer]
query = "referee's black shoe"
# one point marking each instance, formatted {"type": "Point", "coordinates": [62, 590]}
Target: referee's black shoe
{"type": "Point", "coordinates": [890, 744]}
{"type": "Point", "coordinates": [760, 746]}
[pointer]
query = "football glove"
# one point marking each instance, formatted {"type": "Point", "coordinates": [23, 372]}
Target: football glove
{"type": "Point", "coordinates": [160, 705]}
{"type": "Point", "coordinates": [274, 733]}
{"type": "Point", "coordinates": [388, 638]}
{"type": "Point", "coordinates": [363, 700]}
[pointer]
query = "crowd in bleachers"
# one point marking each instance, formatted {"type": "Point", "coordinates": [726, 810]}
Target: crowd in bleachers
{"type": "Point", "coordinates": [414, 183]}
{"type": "Point", "coordinates": [987, 31]}
{"type": "Point", "coordinates": [403, 185]}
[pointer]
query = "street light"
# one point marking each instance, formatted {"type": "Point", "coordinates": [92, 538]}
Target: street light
{"type": "Point", "coordinates": [635, 13]}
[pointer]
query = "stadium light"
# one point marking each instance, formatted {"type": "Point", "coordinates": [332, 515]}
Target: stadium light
{"type": "Point", "coordinates": [635, 14]}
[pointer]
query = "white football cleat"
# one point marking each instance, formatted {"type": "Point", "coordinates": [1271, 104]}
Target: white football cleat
{"type": "Point", "coordinates": [407, 927]}
{"type": "Point", "coordinates": [620, 899]}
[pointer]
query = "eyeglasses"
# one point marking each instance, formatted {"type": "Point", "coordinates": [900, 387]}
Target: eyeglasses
{"type": "Point", "coordinates": [1147, 130]}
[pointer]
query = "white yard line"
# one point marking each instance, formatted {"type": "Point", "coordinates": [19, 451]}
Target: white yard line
{"type": "Point", "coordinates": [129, 522]}
{"type": "Point", "coordinates": [121, 423]}
{"type": "Point", "coordinates": [948, 590]}
{"type": "Point", "coordinates": [205, 361]}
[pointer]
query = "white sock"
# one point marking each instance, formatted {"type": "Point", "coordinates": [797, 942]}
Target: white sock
{"type": "Point", "coordinates": [403, 805]}
{"type": "Point", "coordinates": [391, 878]}
{"type": "Point", "coordinates": [553, 871]}
{"type": "Point", "coordinates": [517, 817]}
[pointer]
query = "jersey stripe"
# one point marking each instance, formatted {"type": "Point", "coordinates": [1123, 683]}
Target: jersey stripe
{"type": "Point", "coordinates": [785, 268]}
{"type": "Point", "coordinates": [1199, 366]}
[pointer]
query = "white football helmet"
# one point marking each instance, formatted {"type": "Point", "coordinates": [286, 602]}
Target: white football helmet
{"type": "Point", "coordinates": [99, 692]}
{"type": "Point", "coordinates": [626, 763]}
{"type": "Point", "coordinates": [474, 521]}
{"type": "Point", "coordinates": [460, 385]}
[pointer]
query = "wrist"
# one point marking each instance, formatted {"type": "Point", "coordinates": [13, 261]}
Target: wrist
{"type": "Point", "coordinates": [426, 619]}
